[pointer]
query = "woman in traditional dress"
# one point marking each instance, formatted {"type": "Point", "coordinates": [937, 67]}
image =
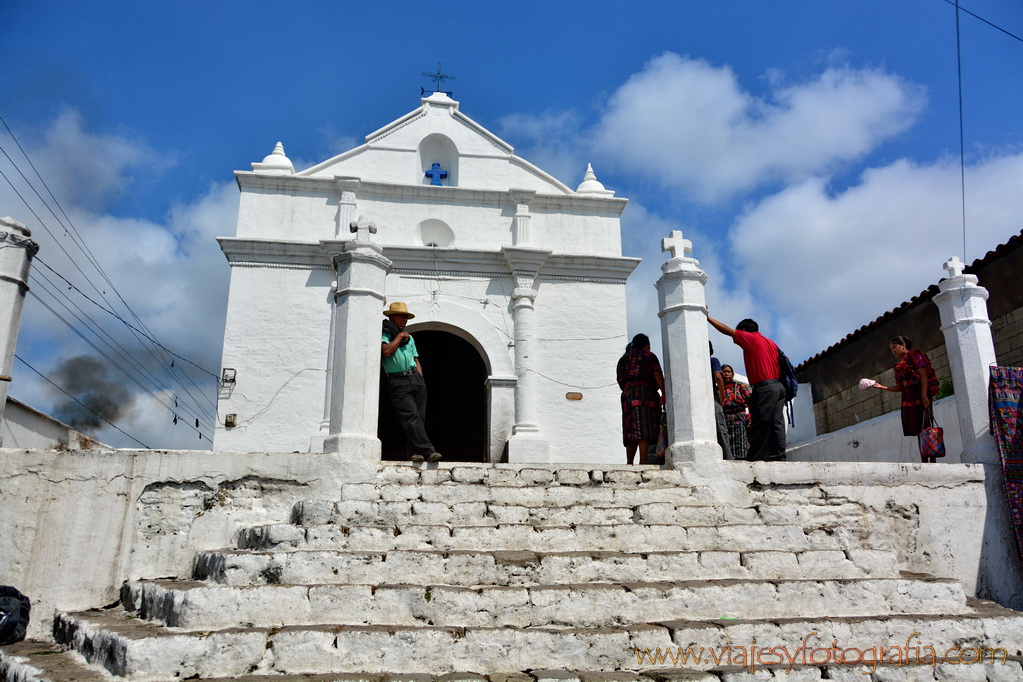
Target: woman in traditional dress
{"type": "Point", "coordinates": [736, 417]}
{"type": "Point", "coordinates": [640, 378]}
{"type": "Point", "coordinates": [915, 379]}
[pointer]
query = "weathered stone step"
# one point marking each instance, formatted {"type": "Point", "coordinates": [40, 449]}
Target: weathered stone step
{"type": "Point", "coordinates": [356, 512]}
{"type": "Point", "coordinates": [632, 538]}
{"type": "Point", "coordinates": [556, 496]}
{"type": "Point", "coordinates": [512, 476]}
{"type": "Point", "coordinates": [197, 605]}
{"type": "Point", "coordinates": [35, 661]}
{"type": "Point", "coordinates": [146, 651]}
{"type": "Point", "coordinates": [467, 567]}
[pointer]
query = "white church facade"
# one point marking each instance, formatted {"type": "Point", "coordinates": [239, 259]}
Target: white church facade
{"type": "Point", "coordinates": [516, 281]}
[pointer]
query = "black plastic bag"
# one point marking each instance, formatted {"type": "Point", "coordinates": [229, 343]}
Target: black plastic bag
{"type": "Point", "coordinates": [14, 609]}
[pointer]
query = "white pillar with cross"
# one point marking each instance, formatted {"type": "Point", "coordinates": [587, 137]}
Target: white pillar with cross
{"type": "Point", "coordinates": [355, 371]}
{"type": "Point", "coordinates": [692, 430]}
{"type": "Point", "coordinates": [16, 253]}
{"type": "Point", "coordinates": [962, 305]}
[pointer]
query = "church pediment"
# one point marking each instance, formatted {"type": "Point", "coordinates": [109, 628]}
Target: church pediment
{"type": "Point", "coordinates": [437, 145]}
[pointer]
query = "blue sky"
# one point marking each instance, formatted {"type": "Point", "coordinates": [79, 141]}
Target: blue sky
{"type": "Point", "coordinates": [810, 149]}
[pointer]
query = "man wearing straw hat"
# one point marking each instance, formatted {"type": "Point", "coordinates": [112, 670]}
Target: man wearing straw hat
{"type": "Point", "coordinates": [405, 382]}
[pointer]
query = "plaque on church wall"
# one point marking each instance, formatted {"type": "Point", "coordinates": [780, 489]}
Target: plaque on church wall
{"type": "Point", "coordinates": [574, 396]}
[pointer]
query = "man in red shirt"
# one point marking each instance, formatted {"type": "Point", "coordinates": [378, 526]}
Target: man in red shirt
{"type": "Point", "coordinates": [767, 402]}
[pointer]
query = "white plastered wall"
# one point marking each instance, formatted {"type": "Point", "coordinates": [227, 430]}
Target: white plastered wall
{"type": "Point", "coordinates": [276, 338]}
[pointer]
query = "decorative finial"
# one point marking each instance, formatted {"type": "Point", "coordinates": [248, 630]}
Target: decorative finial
{"type": "Point", "coordinates": [590, 184]}
{"type": "Point", "coordinates": [275, 163]}
{"type": "Point", "coordinates": [674, 242]}
{"type": "Point", "coordinates": [954, 266]}
{"type": "Point", "coordinates": [363, 227]}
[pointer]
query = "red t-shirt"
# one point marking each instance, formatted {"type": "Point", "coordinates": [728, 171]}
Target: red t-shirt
{"type": "Point", "coordinates": [760, 354]}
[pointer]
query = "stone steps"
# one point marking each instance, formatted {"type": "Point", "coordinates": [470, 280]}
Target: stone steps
{"type": "Point", "coordinates": [468, 567]}
{"type": "Point", "coordinates": [35, 661]}
{"type": "Point", "coordinates": [631, 538]}
{"type": "Point", "coordinates": [500, 574]}
{"type": "Point", "coordinates": [196, 605]}
{"type": "Point", "coordinates": [360, 512]}
{"type": "Point", "coordinates": [143, 650]}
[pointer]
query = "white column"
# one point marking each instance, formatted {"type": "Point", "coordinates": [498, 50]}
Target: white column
{"type": "Point", "coordinates": [962, 305]}
{"type": "Point", "coordinates": [692, 430]}
{"type": "Point", "coordinates": [16, 253]}
{"type": "Point", "coordinates": [521, 233]}
{"type": "Point", "coordinates": [347, 188]}
{"type": "Point", "coordinates": [501, 411]}
{"type": "Point", "coordinates": [355, 384]}
{"type": "Point", "coordinates": [526, 444]}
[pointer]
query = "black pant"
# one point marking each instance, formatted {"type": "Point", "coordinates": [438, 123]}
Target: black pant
{"type": "Point", "coordinates": [408, 396]}
{"type": "Point", "coordinates": [767, 414]}
{"type": "Point", "coordinates": [723, 440]}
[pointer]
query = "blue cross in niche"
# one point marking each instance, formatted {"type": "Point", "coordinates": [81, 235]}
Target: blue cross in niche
{"type": "Point", "coordinates": [435, 174]}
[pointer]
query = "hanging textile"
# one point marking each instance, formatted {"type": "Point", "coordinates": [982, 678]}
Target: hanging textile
{"type": "Point", "coordinates": [1003, 400]}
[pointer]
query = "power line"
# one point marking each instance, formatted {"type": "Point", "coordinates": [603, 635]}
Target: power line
{"type": "Point", "coordinates": [993, 25]}
{"type": "Point", "coordinates": [162, 355]}
{"type": "Point", "coordinates": [47, 379]}
{"type": "Point", "coordinates": [962, 135]}
{"type": "Point", "coordinates": [123, 353]}
{"type": "Point", "coordinates": [118, 366]}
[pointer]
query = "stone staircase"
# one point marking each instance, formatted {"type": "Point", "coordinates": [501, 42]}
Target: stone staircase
{"type": "Point", "coordinates": [474, 572]}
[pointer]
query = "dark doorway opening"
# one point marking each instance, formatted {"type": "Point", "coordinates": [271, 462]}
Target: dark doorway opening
{"type": "Point", "coordinates": [456, 406]}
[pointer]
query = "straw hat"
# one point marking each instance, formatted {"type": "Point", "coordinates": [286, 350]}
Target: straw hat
{"type": "Point", "coordinates": [398, 308]}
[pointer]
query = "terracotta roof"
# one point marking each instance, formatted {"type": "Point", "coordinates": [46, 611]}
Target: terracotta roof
{"type": "Point", "coordinates": [1015, 242]}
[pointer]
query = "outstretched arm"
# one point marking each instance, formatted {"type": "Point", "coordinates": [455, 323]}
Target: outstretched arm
{"type": "Point", "coordinates": [721, 327]}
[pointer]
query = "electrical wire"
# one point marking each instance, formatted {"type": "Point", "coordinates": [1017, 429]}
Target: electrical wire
{"type": "Point", "coordinates": [45, 378]}
{"type": "Point", "coordinates": [993, 25]}
{"type": "Point", "coordinates": [163, 356]}
{"type": "Point", "coordinates": [116, 347]}
{"type": "Point", "coordinates": [962, 135]}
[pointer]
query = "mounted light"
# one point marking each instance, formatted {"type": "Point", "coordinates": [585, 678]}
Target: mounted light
{"type": "Point", "coordinates": [227, 375]}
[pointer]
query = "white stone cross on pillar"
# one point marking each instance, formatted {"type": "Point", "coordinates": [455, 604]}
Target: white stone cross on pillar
{"type": "Point", "coordinates": [954, 266]}
{"type": "Point", "coordinates": [674, 242]}
{"type": "Point", "coordinates": [362, 228]}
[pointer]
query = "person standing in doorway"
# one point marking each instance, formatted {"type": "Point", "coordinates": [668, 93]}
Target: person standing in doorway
{"type": "Point", "coordinates": [405, 383]}
{"type": "Point", "coordinates": [767, 400]}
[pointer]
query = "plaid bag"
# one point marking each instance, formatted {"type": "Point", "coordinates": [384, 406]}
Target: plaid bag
{"type": "Point", "coordinates": [662, 440]}
{"type": "Point", "coordinates": [931, 438]}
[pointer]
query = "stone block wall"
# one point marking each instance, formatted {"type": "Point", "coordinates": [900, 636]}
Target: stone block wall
{"type": "Point", "coordinates": [1008, 334]}
{"type": "Point", "coordinates": [851, 406]}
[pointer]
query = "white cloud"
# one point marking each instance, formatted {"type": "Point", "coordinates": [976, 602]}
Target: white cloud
{"type": "Point", "coordinates": [829, 263]}
{"type": "Point", "coordinates": [86, 169]}
{"type": "Point", "coordinates": [690, 126]}
{"type": "Point", "coordinates": [642, 231]}
{"type": "Point", "coordinates": [170, 272]}
{"type": "Point", "coordinates": [552, 141]}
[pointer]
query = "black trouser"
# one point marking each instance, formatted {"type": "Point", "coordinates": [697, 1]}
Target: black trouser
{"type": "Point", "coordinates": [408, 396]}
{"type": "Point", "coordinates": [767, 414]}
{"type": "Point", "coordinates": [723, 441]}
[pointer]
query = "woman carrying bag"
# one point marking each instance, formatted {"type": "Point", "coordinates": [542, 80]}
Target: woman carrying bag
{"type": "Point", "coordinates": [918, 384]}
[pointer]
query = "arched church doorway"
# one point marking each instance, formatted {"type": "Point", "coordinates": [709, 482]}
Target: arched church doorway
{"type": "Point", "coordinates": [456, 408]}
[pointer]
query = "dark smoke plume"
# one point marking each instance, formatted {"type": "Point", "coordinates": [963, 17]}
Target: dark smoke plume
{"type": "Point", "coordinates": [90, 382]}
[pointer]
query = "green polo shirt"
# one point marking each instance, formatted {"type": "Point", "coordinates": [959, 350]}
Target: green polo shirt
{"type": "Point", "coordinates": [404, 357]}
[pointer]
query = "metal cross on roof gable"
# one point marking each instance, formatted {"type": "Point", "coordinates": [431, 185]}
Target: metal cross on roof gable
{"type": "Point", "coordinates": [438, 78]}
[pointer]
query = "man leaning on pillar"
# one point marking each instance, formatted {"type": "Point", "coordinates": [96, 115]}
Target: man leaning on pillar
{"type": "Point", "coordinates": [405, 383]}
